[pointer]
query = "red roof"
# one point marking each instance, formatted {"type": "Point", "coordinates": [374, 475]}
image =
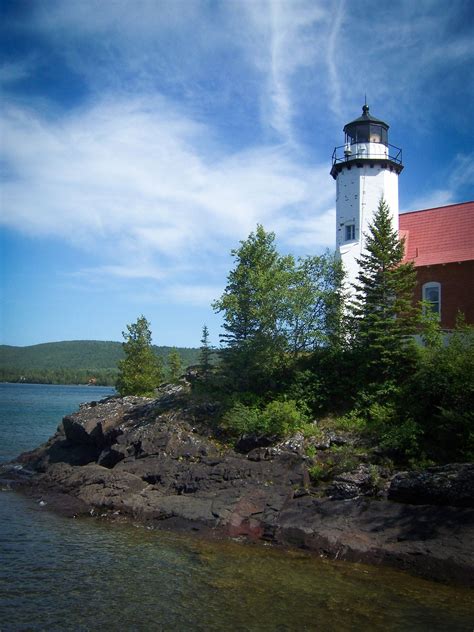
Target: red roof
{"type": "Point", "coordinates": [439, 235]}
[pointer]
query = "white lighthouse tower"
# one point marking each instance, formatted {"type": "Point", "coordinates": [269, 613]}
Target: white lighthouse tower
{"type": "Point", "coordinates": [366, 169]}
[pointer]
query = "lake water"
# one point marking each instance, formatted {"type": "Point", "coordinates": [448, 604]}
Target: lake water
{"type": "Point", "coordinates": [59, 573]}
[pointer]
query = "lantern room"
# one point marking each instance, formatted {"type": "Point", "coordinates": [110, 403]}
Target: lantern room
{"type": "Point", "coordinates": [366, 129]}
{"type": "Point", "coordinates": [366, 139]}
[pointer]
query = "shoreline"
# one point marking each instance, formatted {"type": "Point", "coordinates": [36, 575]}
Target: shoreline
{"type": "Point", "coordinates": [151, 462]}
{"type": "Point", "coordinates": [354, 548]}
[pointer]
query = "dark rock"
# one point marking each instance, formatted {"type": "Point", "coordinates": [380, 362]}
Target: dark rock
{"type": "Point", "coordinates": [100, 425]}
{"type": "Point", "coordinates": [360, 482]}
{"type": "Point", "coordinates": [148, 460]}
{"type": "Point", "coordinates": [251, 441]}
{"type": "Point", "coordinates": [111, 456]}
{"type": "Point", "coordinates": [444, 485]}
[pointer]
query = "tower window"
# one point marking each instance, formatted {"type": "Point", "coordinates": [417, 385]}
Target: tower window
{"type": "Point", "coordinates": [350, 232]}
{"type": "Point", "coordinates": [432, 296]}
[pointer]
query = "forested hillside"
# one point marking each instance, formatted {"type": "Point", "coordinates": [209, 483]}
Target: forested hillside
{"type": "Point", "coordinates": [75, 361]}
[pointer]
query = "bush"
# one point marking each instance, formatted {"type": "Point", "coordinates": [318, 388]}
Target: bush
{"type": "Point", "coordinates": [440, 397]}
{"type": "Point", "coordinates": [277, 419]}
{"type": "Point", "coordinates": [402, 439]}
{"type": "Point", "coordinates": [319, 472]}
{"type": "Point", "coordinates": [241, 420]}
{"type": "Point", "coordinates": [282, 418]}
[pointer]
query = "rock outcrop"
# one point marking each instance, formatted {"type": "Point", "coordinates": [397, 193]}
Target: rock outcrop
{"type": "Point", "coordinates": [451, 485]}
{"type": "Point", "coordinates": [156, 461]}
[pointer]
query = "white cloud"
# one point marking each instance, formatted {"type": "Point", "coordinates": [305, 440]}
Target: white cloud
{"type": "Point", "coordinates": [198, 295]}
{"type": "Point", "coordinates": [286, 39]}
{"type": "Point", "coordinates": [457, 175]}
{"type": "Point", "coordinates": [332, 58]}
{"type": "Point", "coordinates": [433, 199]}
{"type": "Point", "coordinates": [137, 184]}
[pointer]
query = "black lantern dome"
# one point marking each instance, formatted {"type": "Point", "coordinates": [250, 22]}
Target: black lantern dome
{"type": "Point", "coordinates": [366, 129]}
{"type": "Point", "coordinates": [366, 142]}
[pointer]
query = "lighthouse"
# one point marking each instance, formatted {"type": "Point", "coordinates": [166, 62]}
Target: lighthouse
{"type": "Point", "coordinates": [366, 169]}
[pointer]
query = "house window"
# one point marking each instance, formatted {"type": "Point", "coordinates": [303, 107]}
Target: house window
{"type": "Point", "coordinates": [350, 232]}
{"type": "Point", "coordinates": [432, 296]}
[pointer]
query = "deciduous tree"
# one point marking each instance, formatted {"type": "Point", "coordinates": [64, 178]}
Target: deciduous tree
{"type": "Point", "coordinates": [253, 304]}
{"type": "Point", "coordinates": [274, 309]}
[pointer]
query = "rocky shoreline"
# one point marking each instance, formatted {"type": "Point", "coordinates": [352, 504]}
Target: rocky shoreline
{"type": "Point", "coordinates": [157, 462]}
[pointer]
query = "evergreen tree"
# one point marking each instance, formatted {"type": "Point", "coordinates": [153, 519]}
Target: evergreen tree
{"type": "Point", "coordinates": [139, 371]}
{"type": "Point", "coordinates": [205, 352]}
{"type": "Point", "coordinates": [383, 311]}
{"type": "Point", "coordinates": [175, 365]}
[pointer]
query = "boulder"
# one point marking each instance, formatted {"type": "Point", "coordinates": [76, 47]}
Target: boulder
{"type": "Point", "coordinates": [360, 482]}
{"type": "Point", "coordinates": [451, 484]}
{"type": "Point", "coordinates": [98, 423]}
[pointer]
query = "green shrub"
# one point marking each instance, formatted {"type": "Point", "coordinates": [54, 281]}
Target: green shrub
{"type": "Point", "coordinates": [277, 419]}
{"type": "Point", "coordinates": [403, 439]}
{"type": "Point", "coordinates": [319, 472]}
{"type": "Point", "coordinates": [440, 397]}
{"type": "Point", "coordinates": [282, 418]}
{"type": "Point", "coordinates": [241, 419]}
{"type": "Point", "coordinates": [311, 430]}
{"type": "Point", "coordinates": [353, 421]}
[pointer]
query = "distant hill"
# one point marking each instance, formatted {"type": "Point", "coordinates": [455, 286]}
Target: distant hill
{"type": "Point", "coordinates": [74, 361]}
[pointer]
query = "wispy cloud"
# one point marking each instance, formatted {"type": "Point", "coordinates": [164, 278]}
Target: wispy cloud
{"type": "Point", "coordinates": [134, 181]}
{"type": "Point", "coordinates": [456, 177]}
{"type": "Point", "coordinates": [333, 56]}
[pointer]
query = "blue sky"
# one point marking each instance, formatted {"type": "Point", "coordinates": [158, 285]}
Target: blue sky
{"type": "Point", "coordinates": [142, 139]}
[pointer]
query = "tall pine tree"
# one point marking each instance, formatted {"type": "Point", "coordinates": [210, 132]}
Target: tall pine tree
{"type": "Point", "coordinates": [384, 315]}
{"type": "Point", "coordinates": [205, 354]}
{"type": "Point", "coordinates": [140, 371]}
{"type": "Point", "coordinates": [175, 366]}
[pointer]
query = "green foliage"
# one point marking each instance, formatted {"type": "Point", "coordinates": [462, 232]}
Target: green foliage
{"type": "Point", "coordinates": [89, 355]}
{"type": "Point", "coordinates": [140, 371]}
{"type": "Point", "coordinates": [274, 308]}
{"type": "Point", "coordinates": [440, 397]}
{"type": "Point", "coordinates": [383, 313]}
{"type": "Point", "coordinates": [336, 460]}
{"type": "Point", "coordinates": [205, 354]}
{"type": "Point", "coordinates": [431, 333]}
{"type": "Point", "coordinates": [319, 472]}
{"type": "Point", "coordinates": [95, 377]}
{"type": "Point", "coordinates": [241, 420]}
{"type": "Point", "coordinates": [72, 362]}
{"type": "Point", "coordinates": [326, 381]}
{"type": "Point", "coordinates": [252, 305]}
{"type": "Point", "coordinates": [402, 438]}
{"type": "Point", "coordinates": [175, 366]}
{"type": "Point", "coordinates": [350, 422]}
{"type": "Point", "coordinates": [277, 419]}
{"type": "Point", "coordinates": [313, 302]}
{"type": "Point", "coordinates": [282, 418]}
